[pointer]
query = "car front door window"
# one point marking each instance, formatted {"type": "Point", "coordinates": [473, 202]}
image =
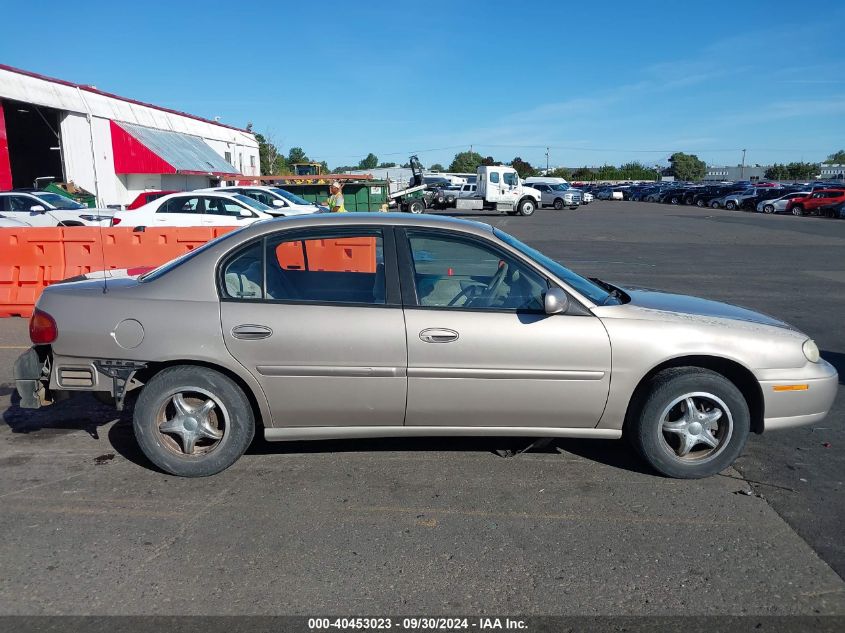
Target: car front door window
{"type": "Point", "coordinates": [461, 273]}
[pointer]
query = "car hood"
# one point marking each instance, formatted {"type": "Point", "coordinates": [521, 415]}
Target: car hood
{"type": "Point", "coordinates": [685, 304]}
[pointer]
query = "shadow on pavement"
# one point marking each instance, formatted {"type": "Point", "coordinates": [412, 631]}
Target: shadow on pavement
{"type": "Point", "coordinates": [85, 413]}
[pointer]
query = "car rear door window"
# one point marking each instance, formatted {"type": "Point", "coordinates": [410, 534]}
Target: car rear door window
{"type": "Point", "coordinates": [184, 204]}
{"type": "Point", "coordinates": [222, 206]}
{"type": "Point", "coordinates": [329, 267]}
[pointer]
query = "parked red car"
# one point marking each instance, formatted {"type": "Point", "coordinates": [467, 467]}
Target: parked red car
{"type": "Point", "coordinates": [812, 203]}
{"type": "Point", "coordinates": [145, 197]}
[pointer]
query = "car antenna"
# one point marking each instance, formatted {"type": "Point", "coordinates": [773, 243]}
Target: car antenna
{"type": "Point", "coordinates": [103, 253]}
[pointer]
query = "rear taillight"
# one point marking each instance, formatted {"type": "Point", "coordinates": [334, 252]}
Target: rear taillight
{"type": "Point", "coordinates": [42, 328]}
{"type": "Point", "coordinates": [115, 221]}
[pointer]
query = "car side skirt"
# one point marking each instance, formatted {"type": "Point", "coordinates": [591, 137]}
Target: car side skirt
{"type": "Point", "coordinates": [351, 432]}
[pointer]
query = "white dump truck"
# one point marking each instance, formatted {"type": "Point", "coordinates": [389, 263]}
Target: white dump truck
{"type": "Point", "coordinates": [499, 188]}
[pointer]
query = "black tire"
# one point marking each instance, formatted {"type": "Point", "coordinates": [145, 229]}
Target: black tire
{"type": "Point", "coordinates": [70, 223]}
{"type": "Point", "coordinates": [558, 203]}
{"type": "Point", "coordinates": [165, 450]}
{"type": "Point", "coordinates": [674, 200]}
{"type": "Point", "coordinates": [700, 203]}
{"type": "Point", "coordinates": [526, 207]}
{"type": "Point", "coordinates": [417, 206]}
{"type": "Point", "coordinates": [645, 427]}
{"type": "Point", "coordinates": [714, 205]}
{"type": "Point", "coordinates": [730, 205]}
{"type": "Point", "coordinates": [768, 208]}
{"type": "Point", "coordinates": [798, 210]}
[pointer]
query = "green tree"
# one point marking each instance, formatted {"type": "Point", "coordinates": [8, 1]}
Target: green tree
{"type": "Point", "coordinates": [777, 172]}
{"type": "Point", "coordinates": [523, 167]}
{"type": "Point", "coordinates": [608, 172]}
{"type": "Point", "coordinates": [370, 162]}
{"type": "Point", "coordinates": [270, 160]}
{"type": "Point", "coordinates": [466, 162]}
{"type": "Point", "coordinates": [561, 172]}
{"type": "Point", "coordinates": [437, 167]}
{"type": "Point", "coordinates": [636, 171]}
{"type": "Point", "coordinates": [583, 173]}
{"type": "Point", "coordinates": [386, 165]}
{"type": "Point", "coordinates": [687, 166]}
{"type": "Point", "coordinates": [490, 161]}
{"type": "Point", "coordinates": [297, 155]}
{"type": "Point", "coordinates": [837, 158]}
{"type": "Point", "coordinates": [802, 171]}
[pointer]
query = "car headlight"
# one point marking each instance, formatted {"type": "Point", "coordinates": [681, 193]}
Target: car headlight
{"type": "Point", "coordinates": [811, 350]}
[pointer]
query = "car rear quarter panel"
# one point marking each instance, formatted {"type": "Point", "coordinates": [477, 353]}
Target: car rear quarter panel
{"type": "Point", "coordinates": [180, 322]}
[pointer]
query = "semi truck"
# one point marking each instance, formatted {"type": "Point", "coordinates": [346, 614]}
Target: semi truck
{"type": "Point", "coordinates": [499, 188]}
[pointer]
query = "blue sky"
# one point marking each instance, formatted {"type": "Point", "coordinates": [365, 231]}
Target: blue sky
{"type": "Point", "coordinates": [597, 82]}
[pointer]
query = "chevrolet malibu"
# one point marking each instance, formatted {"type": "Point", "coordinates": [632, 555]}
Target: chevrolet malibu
{"type": "Point", "coordinates": [359, 325]}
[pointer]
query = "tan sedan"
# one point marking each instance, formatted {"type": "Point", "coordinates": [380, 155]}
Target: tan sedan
{"type": "Point", "coordinates": [359, 325]}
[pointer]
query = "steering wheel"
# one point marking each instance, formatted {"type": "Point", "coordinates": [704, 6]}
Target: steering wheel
{"type": "Point", "coordinates": [470, 292]}
{"type": "Point", "coordinates": [492, 288]}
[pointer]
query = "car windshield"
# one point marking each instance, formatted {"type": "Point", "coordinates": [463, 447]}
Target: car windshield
{"type": "Point", "coordinates": [174, 263]}
{"type": "Point", "coordinates": [592, 291]}
{"type": "Point", "coordinates": [59, 202]}
{"type": "Point", "coordinates": [560, 187]}
{"type": "Point", "coordinates": [251, 202]}
{"type": "Point", "coordinates": [287, 195]}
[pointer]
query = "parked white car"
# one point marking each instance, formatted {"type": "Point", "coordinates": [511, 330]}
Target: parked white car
{"type": "Point", "coordinates": [43, 208]}
{"type": "Point", "coordinates": [10, 223]}
{"type": "Point", "coordinates": [558, 195]}
{"type": "Point", "coordinates": [279, 201]}
{"type": "Point", "coordinates": [586, 197]}
{"type": "Point", "coordinates": [196, 208]}
{"type": "Point", "coordinates": [778, 205]}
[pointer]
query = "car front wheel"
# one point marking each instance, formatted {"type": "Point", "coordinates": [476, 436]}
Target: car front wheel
{"type": "Point", "coordinates": [193, 421]}
{"type": "Point", "coordinates": [558, 203]}
{"type": "Point", "coordinates": [768, 208]}
{"type": "Point", "coordinates": [692, 423]}
{"type": "Point", "coordinates": [797, 210]}
{"type": "Point", "coordinates": [730, 205]}
{"type": "Point", "coordinates": [527, 207]}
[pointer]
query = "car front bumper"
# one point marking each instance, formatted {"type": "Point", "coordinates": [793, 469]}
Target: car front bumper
{"type": "Point", "coordinates": [796, 398]}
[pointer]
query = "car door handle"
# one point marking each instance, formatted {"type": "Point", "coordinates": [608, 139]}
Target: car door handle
{"type": "Point", "coordinates": [438, 335]}
{"type": "Point", "coordinates": [251, 332]}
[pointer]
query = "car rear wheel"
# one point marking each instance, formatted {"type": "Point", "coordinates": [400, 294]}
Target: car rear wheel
{"type": "Point", "coordinates": [693, 423]}
{"type": "Point", "coordinates": [714, 205]}
{"type": "Point", "coordinates": [674, 200]}
{"type": "Point", "coordinates": [730, 205]}
{"type": "Point", "coordinates": [558, 203]}
{"type": "Point", "coordinates": [798, 210]}
{"type": "Point", "coordinates": [193, 421]}
{"type": "Point", "coordinates": [768, 208]}
{"type": "Point", "coordinates": [700, 203]}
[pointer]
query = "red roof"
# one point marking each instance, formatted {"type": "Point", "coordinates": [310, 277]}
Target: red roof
{"type": "Point", "coordinates": [94, 90]}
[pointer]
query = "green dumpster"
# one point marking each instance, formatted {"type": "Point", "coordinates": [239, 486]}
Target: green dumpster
{"type": "Point", "coordinates": [69, 190]}
{"type": "Point", "coordinates": [370, 195]}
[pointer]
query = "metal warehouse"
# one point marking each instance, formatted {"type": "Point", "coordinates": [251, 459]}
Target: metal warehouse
{"type": "Point", "coordinates": [111, 146]}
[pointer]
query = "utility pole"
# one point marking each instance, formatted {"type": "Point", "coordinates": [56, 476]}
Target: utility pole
{"type": "Point", "coordinates": [547, 161]}
{"type": "Point", "coordinates": [742, 169]}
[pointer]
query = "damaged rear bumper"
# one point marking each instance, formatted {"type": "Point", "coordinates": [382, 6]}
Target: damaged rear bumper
{"type": "Point", "coordinates": [32, 375]}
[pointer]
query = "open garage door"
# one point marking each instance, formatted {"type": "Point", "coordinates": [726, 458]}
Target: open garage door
{"type": "Point", "coordinates": [33, 143]}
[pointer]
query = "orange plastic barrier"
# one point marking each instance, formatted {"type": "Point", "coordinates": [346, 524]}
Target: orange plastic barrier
{"type": "Point", "coordinates": [342, 254]}
{"type": "Point", "coordinates": [33, 258]}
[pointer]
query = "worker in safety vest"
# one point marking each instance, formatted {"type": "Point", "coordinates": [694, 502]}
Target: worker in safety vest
{"type": "Point", "coordinates": [335, 201]}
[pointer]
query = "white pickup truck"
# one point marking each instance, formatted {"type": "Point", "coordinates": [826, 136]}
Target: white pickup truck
{"type": "Point", "coordinates": [499, 188]}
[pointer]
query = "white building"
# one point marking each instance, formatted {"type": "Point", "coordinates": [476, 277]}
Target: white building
{"type": "Point", "coordinates": [111, 146]}
{"type": "Point", "coordinates": [832, 172]}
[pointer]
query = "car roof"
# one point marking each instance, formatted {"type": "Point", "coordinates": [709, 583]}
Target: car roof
{"type": "Point", "coordinates": [367, 219]}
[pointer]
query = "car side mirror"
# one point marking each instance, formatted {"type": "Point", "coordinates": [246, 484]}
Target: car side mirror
{"type": "Point", "coordinates": [555, 301]}
{"type": "Point", "coordinates": [278, 203]}
{"type": "Point", "coordinates": [37, 208]}
{"type": "Point", "coordinates": [245, 213]}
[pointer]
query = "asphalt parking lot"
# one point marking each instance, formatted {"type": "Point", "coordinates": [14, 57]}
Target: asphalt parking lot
{"type": "Point", "coordinates": [448, 526]}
